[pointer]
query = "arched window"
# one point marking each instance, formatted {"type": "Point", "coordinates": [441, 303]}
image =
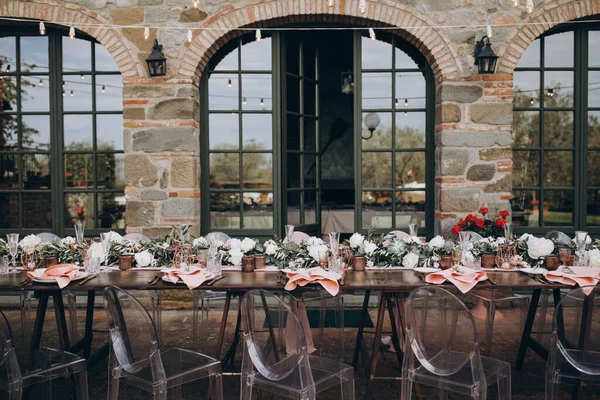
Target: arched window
{"type": "Point", "coordinates": [556, 132]}
{"type": "Point", "coordinates": [61, 141]}
{"type": "Point", "coordinates": [288, 135]}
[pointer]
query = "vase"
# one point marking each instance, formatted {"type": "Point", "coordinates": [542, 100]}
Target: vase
{"type": "Point", "coordinates": [446, 262]}
{"type": "Point", "coordinates": [260, 261]}
{"type": "Point", "coordinates": [50, 261]}
{"type": "Point", "coordinates": [247, 264]}
{"type": "Point", "coordinates": [552, 263]}
{"type": "Point", "coordinates": [358, 263]}
{"type": "Point", "coordinates": [488, 260]}
{"type": "Point", "coordinates": [125, 262]}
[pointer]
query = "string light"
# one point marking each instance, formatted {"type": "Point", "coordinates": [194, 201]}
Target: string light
{"type": "Point", "coordinates": [397, 103]}
{"type": "Point", "coordinates": [258, 35]}
{"type": "Point", "coordinates": [72, 94]}
{"type": "Point", "coordinates": [532, 101]}
{"type": "Point", "coordinates": [189, 37]}
{"type": "Point", "coordinates": [63, 84]}
{"type": "Point", "coordinates": [64, 93]}
{"type": "Point", "coordinates": [103, 88]}
{"type": "Point", "coordinates": [262, 102]}
{"type": "Point", "coordinates": [406, 113]}
{"type": "Point", "coordinates": [41, 83]}
{"type": "Point", "coordinates": [489, 31]}
{"type": "Point", "coordinates": [82, 77]}
{"type": "Point", "coordinates": [516, 3]}
{"type": "Point", "coordinates": [195, 2]}
{"type": "Point", "coordinates": [71, 33]}
{"type": "Point", "coordinates": [550, 93]}
{"type": "Point", "coordinates": [529, 5]}
{"type": "Point", "coordinates": [244, 101]}
{"type": "Point", "coordinates": [405, 102]}
{"type": "Point", "coordinates": [362, 6]}
{"type": "Point", "coordinates": [229, 83]}
{"type": "Point", "coordinates": [146, 33]}
{"type": "Point", "coordinates": [42, 28]}
{"type": "Point", "coordinates": [8, 69]}
{"type": "Point", "coordinates": [372, 34]}
{"type": "Point", "coordinates": [331, 3]}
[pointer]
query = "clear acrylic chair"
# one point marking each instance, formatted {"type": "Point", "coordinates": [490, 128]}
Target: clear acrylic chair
{"type": "Point", "coordinates": [47, 237]}
{"type": "Point", "coordinates": [137, 237]}
{"type": "Point", "coordinates": [37, 368]}
{"type": "Point", "coordinates": [442, 350]}
{"type": "Point", "coordinates": [136, 356]}
{"type": "Point", "coordinates": [574, 356]}
{"type": "Point", "coordinates": [284, 368]}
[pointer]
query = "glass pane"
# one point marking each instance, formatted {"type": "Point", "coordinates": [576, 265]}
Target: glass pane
{"type": "Point", "coordinates": [376, 90]}
{"type": "Point", "coordinates": [292, 56]}
{"type": "Point", "coordinates": [558, 168]}
{"type": "Point", "coordinates": [78, 134]}
{"type": "Point", "coordinates": [225, 210]}
{"type": "Point", "coordinates": [293, 208]}
{"type": "Point", "coordinates": [558, 50]}
{"type": "Point", "coordinates": [79, 207]}
{"type": "Point", "coordinates": [110, 171]}
{"type": "Point", "coordinates": [256, 55]}
{"type": "Point", "coordinates": [8, 132]}
{"type": "Point", "coordinates": [410, 130]}
{"type": "Point", "coordinates": [376, 54]}
{"type": "Point", "coordinates": [410, 90]}
{"type": "Point", "coordinates": [593, 89]}
{"type": "Point", "coordinates": [78, 93]}
{"type": "Point", "coordinates": [293, 170]}
{"type": "Point", "coordinates": [36, 171]}
{"type": "Point", "coordinates": [36, 132]}
{"type": "Point", "coordinates": [9, 210]}
{"type": "Point", "coordinates": [34, 54]}
{"type": "Point", "coordinates": [593, 168]}
{"type": "Point", "coordinates": [531, 57]}
{"type": "Point", "coordinates": [8, 53]}
{"type": "Point", "coordinates": [293, 94]}
{"type": "Point", "coordinates": [376, 170]}
{"type": "Point", "coordinates": [79, 171]}
{"type": "Point", "coordinates": [558, 89]}
{"type": "Point", "coordinates": [223, 92]}
{"type": "Point", "coordinates": [558, 129]}
{"type": "Point", "coordinates": [37, 211]}
{"type": "Point", "coordinates": [593, 129]}
{"type": "Point", "coordinates": [310, 134]}
{"type": "Point", "coordinates": [109, 132]}
{"type": "Point", "coordinates": [293, 132]}
{"type": "Point", "coordinates": [526, 129]}
{"type": "Point", "coordinates": [310, 171]}
{"type": "Point", "coordinates": [593, 46]}
{"type": "Point", "coordinates": [526, 170]}
{"type": "Point", "coordinates": [558, 208]}
{"type": "Point", "coordinates": [9, 171]}
{"type": "Point", "coordinates": [310, 62]}
{"type": "Point", "coordinates": [104, 61]}
{"type": "Point", "coordinates": [409, 204]}
{"type": "Point", "coordinates": [377, 210]}
{"type": "Point", "coordinates": [593, 207]}
{"type": "Point", "coordinates": [258, 210]}
{"type": "Point", "coordinates": [310, 98]}
{"type": "Point", "coordinates": [229, 61]}
{"type": "Point", "coordinates": [111, 211]}
{"type": "Point", "coordinates": [310, 207]}
{"type": "Point", "coordinates": [224, 171]}
{"type": "Point", "coordinates": [404, 61]}
{"type": "Point", "coordinates": [257, 92]}
{"type": "Point", "coordinates": [257, 131]}
{"type": "Point", "coordinates": [224, 131]}
{"type": "Point", "coordinates": [77, 54]}
{"type": "Point", "coordinates": [9, 93]}
{"type": "Point", "coordinates": [109, 92]}
{"type": "Point", "coordinates": [35, 97]}
{"type": "Point", "coordinates": [379, 125]}
{"type": "Point", "coordinates": [258, 170]}
{"type": "Point", "coordinates": [526, 88]}
{"type": "Point", "coordinates": [410, 169]}
{"type": "Point", "coordinates": [525, 208]}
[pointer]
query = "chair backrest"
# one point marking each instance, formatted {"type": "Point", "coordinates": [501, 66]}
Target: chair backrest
{"type": "Point", "coordinates": [10, 371]}
{"type": "Point", "coordinates": [559, 237]}
{"type": "Point", "coordinates": [398, 234]}
{"type": "Point", "coordinates": [261, 311]}
{"type": "Point", "coordinates": [576, 329]}
{"type": "Point", "coordinates": [47, 237]}
{"type": "Point", "coordinates": [299, 237]}
{"type": "Point", "coordinates": [137, 238]}
{"type": "Point", "coordinates": [441, 331]}
{"type": "Point", "coordinates": [133, 336]}
{"type": "Point", "coordinates": [219, 236]}
{"type": "Point", "coordinates": [473, 237]}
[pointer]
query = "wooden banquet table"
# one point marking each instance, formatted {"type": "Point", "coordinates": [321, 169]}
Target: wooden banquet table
{"type": "Point", "coordinates": [393, 284]}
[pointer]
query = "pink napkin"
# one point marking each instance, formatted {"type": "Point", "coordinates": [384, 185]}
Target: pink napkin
{"type": "Point", "coordinates": [193, 277]}
{"type": "Point", "coordinates": [303, 277]}
{"type": "Point", "coordinates": [464, 282]}
{"type": "Point", "coordinates": [62, 273]}
{"type": "Point", "coordinates": [583, 276]}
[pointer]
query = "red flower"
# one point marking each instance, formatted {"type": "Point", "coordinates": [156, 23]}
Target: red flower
{"type": "Point", "coordinates": [456, 229]}
{"type": "Point", "coordinates": [462, 223]}
{"type": "Point", "coordinates": [483, 210]}
{"type": "Point", "coordinates": [503, 213]}
{"type": "Point", "coordinates": [480, 223]}
{"type": "Point", "coordinates": [470, 218]}
{"type": "Point", "coordinates": [500, 223]}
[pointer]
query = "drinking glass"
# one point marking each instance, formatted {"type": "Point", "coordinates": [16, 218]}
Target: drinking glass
{"type": "Point", "coordinates": [580, 241]}
{"type": "Point", "coordinates": [323, 254]}
{"type": "Point", "coordinates": [463, 239]}
{"type": "Point", "coordinates": [214, 265]}
{"type": "Point", "coordinates": [564, 254]}
{"type": "Point", "coordinates": [336, 265]}
{"type": "Point", "coordinates": [202, 258]}
{"type": "Point", "coordinates": [91, 264]}
{"type": "Point", "coordinates": [289, 232]}
{"type": "Point", "coordinates": [413, 229]}
{"type": "Point", "coordinates": [105, 238]}
{"type": "Point", "coordinates": [456, 256]}
{"type": "Point", "coordinates": [4, 265]}
{"type": "Point", "coordinates": [79, 229]}
{"type": "Point", "coordinates": [12, 239]}
{"type": "Point", "coordinates": [508, 231]}
{"type": "Point", "coordinates": [334, 243]}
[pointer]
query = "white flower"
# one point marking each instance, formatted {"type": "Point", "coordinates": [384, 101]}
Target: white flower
{"type": "Point", "coordinates": [356, 240]}
{"type": "Point", "coordinates": [370, 264]}
{"type": "Point", "coordinates": [144, 259]}
{"type": "Point", "coordinates": [370, 247]}
{"type": "Point", "coordinates": [247, 244]}
{"type": "Point", "coordinates": [593, 257]}
{"type": "Point", "coordinates": [200, 242]}
{"type": "Point", "coordinates": [271, 248]}
{"type": "Point", "coordinates": [315, 251]}
{"type": "Point", "coordinates": [525, 237]}
{"type": "Point", "coordinates": [67, 240]}
{"type": "Point", "coordinates": [437, 242]}
{"type": "Point", "coordinates": [410, 260]}
{"type": "Point", "coordinates": [96, 251]}
{"type": "Point", "coordinates": [114, 237]}
{"type": "Point", "coordinates": [539, 247]}
{"type": "Point", "coordinates": [468, 258]}
{"type": "Point", "coordinates": [411, 239]}
{"type": "Point", "coordinates": [235, 255]}
{"type": "Point", "coordinates": [314, 241]}
{"type": "Point", "coordinates": [30, 240]}
{"type": "Point", "coordinates": [234, 243]}
{"type": "Point", "coordinates": [164, 245]}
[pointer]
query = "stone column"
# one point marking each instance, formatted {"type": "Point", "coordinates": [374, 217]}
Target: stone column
{"type": "Point", "coordinates": [473, 146]}
{"type": "Point", "coordinates": [161, 155]}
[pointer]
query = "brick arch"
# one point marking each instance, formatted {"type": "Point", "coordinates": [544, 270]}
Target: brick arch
{"type": "Point", "coordinates": [550, 15]}
{"type": "Point", "coordinates": [70, 14]}
{"type": "Point", "coordinates": [432, 43]}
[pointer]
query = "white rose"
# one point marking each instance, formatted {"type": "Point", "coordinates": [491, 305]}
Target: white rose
{"type": "Point", "coordinates": [271, 248]}
{"type": "Point", "coordinates": [314, 241]}
{"type": "Point", "coordinates": [410, 260]}
{"type": "Point", "coordinates": [96, 250]}
{"type": "Point", "coordinates": [370, 264]}
{"type": "Point", "coordinates": [234, 243]}
{"type": "Point", "coordinates": [469, 258]}
{"type": "Point", "coordinates": [356, 240]}
{"type": "Point", "coordinates": [314, 251]}
{"type": "Point", "coordinates": [539, 247]}
{"type": "Point", "coordinates": [144, 259]}
{"type": "Point", "coordinates": [235, 256]}
{"type": "Point", "coordinates": [525, 237]}
{"type": "Point", "coordinates": [68, 240]}
{"type": "Point", "coordinates": [370, 247]}
{"type": "Point", "coordinates": [437, 242]}
{"type": "Point", "coordinates": [30, 240]}
{"type": "Point", "coordinates": [594, 257]}
{"type": "Point", "coordinates": [247, 244]}
{"type": "Point", "coordinates": [200, 242]}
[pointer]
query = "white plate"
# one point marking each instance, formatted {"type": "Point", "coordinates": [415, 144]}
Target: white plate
{"type": "Point", "coordinates": [426, 270]}
{"type": "Point", "coordinates": [534, 271]}
{"type": "Point", "coordinates": [40, 272]}
{"type": "Point", "coordinates": [166, 279]}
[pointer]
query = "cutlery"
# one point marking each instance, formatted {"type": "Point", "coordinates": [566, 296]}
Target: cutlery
{"type": "Point", "coordinates": [343, 278]}
{"type": "Point", "coordinates": [491, 281]}
{"type": "Point", "coordinates": [154, 280]}
{"type": "Point", "coordinates": [89, 278]}
{"type": "Point", "coordinates": [25, 281]}
{"type": "Point", "coordinates": [216, 280]}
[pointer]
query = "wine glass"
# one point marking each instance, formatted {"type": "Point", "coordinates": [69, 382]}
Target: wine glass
{"type": "Point", "coordinates": [564, 255]}
{"type": "Point", "coordinates": [105, 238]}
{"type": "Point", "coordinates": [289, 232]}
{"type": "Point", "coordinates": [508, 231]}
{"type": "Point", "coordinates": [12, 240]}
{"type": "Point", "coordinates": [580, 241]}
{"type": "Point", "coordinates": [79, 229]}
{"type": "Point", "coordinates": [413, 228]}
{"type": "Point", "coordinates": [334, 243]}
{"type": "Point", "coordinates": [456, 254]}
{"type": "Point", "coordinates": [323, 255]}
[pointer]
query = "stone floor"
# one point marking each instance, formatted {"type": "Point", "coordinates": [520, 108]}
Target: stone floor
{"type": "Point", "coordinates": [177, 332]}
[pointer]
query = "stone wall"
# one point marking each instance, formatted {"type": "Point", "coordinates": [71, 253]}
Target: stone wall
{"type": "Point", "coordinates": [161, 128]}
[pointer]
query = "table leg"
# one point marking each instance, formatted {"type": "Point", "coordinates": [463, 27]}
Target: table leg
{"type": "Point", "coordinates": [392, 307]}
{"type": "Point", "coordinates": [535, 298]}
{"type": "Point", "coordinates": [228, 362]}
{"type": "Point", "coordinates": [38, 326]}
{"type": "Point", "coordinates": [61, 321]}
{"type": "Point", "coordinates": [376, 346]}
{"type": "Point", "coordinates": [223, 325]}
{"type": "Point", "coordinates": [361, 326]}
{"type": "Point", "coordinates": [89, 323]}
{"type": "Point", "coordinates": [272, 343]}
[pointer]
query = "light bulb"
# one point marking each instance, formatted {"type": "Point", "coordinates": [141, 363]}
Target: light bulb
{"type": "Point", "coordinates": [529, 5]}
{"type": "Point", "coordinates": [71, 33]}
{"type": "Point", "coordinates": [63, 84]}
{"type": "Point", "coordinates": [397, 103]}
{"type": "Point", "coordinates": [229, 83]}
{"type": "Point", "coordinates": [531, 101]}
{"type": "Point", "coordinates": [244, 101]}
{"type": "Point", "coordinates": [516, 3]}
{"type": "Point", "coordinates": [189, 36]}
{"type": "Point", "coordinates": [41, 83]}
{"type": "Point", "coordinates": [489, 31]}
{"type": "Point", "coordinates": [362, 6]}
{"type": "Point", "coordinates": [372, 34]}
{"type": "Point", "coordinates": [72, 94]}
{"type": "Point", "coordinates": [42, 28]}
{"type": "Point", "coordinates": [331, 3]}
{"type": "Point", "coordinates": [63, 93]}
{"type": "Point", "coordinates": [82, 77]}
{"type": "Point", "coordinates": [8, 68]}
{"type": "Point", "coordinates": [406, 113]}
{"type": "Point", "coordinates": [195, 2]}
{"type": "Point", "coordinates": [262, 102]}
{"type": "Point", "coordinates": [405, 102]}
{"type": "Point", "coordinates": [146, 33]}
{"type": "Point", "coordinates": [103, 88]}
{"type": "Point", "coordinates": [258, 35]}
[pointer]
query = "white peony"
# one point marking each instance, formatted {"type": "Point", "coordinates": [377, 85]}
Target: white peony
{"type": "Point", "coordinates": [271, 248]}
{"type": "Point", "coordinates": [144, 259]}
{"type": "Point", "coordinates": [200, 242]}
{"type": "Point", "coordinates": [539, 247]}
{"type": "Point", "coordinates": [234, 243]}
{"type": "Point", "coordinates": [96, 251]}
{"type": "Point", "coordinates": [525, 237]}
{"type": "Point", "coordinates": [315, 250]}
{"type": "Point", "coordinates": [370, 247]}
{"type": "Point", "coordinates": [411, 239]}
{"type": "Point", "coordinates": [30, 240]}
{"type": "Point", "coordinates": [356, 240]}
{"type": "Point", "coordinates": [370, 263]}
{"type": "Point", "coordinates": [468, 258]}
{"type": "Point", "coordinates": [68, 240]}
{"type": "Point", "coordinates": [247, 245]}
{"type": "Point", "coordinates": [314, 241]}
{"type": "Point", "coordinates": [593, 257]}
{"type": "Point", "coordinates": [410, 260]}
{"type": "Point", "coordinates": [437, 242]}
{"type": "Point", "coordinates": [235, 256]}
